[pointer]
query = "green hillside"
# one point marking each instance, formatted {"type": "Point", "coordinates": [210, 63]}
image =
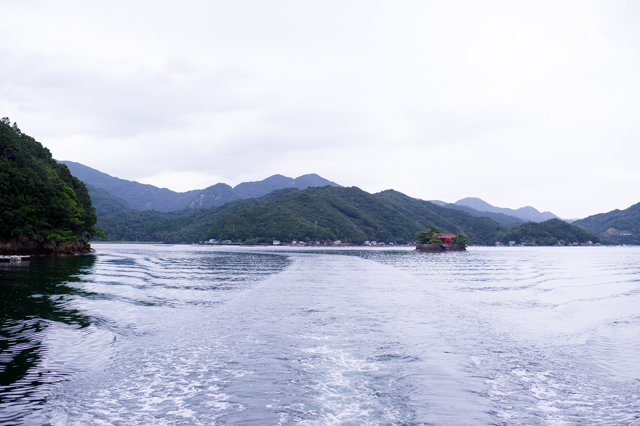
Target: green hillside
{"type": "Point", "coordinates": [615, 227]}
{"type": "Point", "coordinates": [41, 205]}
{"type": "Point", "coordinates": [348, 214]}
{"type": "Point", "coordinates": [351, 215]}
{"type": "Point", "coordinates": [548, 233]}
{"type": "Point", "coordinates": [184, 226]}
{"type": "Point", "coordinates": [105, 202]}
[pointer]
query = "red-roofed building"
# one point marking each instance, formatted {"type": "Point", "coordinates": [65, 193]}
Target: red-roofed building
{"type": "Point", "coordinates": [446, 238]}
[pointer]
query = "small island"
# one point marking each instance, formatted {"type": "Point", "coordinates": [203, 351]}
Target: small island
{"type": "Point", "coordinates": [432, 240]}
{"type": "Point", "coordinates": [44, 209]}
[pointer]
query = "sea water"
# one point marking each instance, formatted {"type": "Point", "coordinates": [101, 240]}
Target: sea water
{"type": "Point", "coordinates": [199, 335]}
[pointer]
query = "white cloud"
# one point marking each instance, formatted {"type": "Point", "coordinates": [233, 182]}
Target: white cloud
{"type": "Point", "coordinates": [514, 102]}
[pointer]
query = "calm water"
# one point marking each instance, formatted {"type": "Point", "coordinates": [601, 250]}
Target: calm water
{"type": "Point", "coordinates": [172, 335]}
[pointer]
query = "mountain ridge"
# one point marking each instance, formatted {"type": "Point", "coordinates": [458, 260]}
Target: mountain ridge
{"type": "Point", "coordinates": [141, 196]}
{"type": "Point", "coordinates": [527, 213]}
{"type": "Point", "coordinates": [520, 215]}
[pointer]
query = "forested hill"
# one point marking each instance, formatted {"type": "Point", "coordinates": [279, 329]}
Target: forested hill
{"type": "Point", "coordinates": [548, 233]}
{"type": "Point", "coordinates": [351, 215]}
{"type": "Point", "coordinates": [43, 208]}
{"type": "Point", "coordinates": [184, 226]}
{"type": "Point", "coordinates": [615, 227]}
{"type": "Point", "coordinates": [105, 202]}
{"type": "Point", "coordinates": [148, 197]}
{"type": "Point", "coordinates": [348, 214]}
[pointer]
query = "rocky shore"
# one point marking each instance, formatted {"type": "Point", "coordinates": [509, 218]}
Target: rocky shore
{"type": "Point", "coordinates": [437, 248]}
{"type": "Point", "coordinates": [36, 246]}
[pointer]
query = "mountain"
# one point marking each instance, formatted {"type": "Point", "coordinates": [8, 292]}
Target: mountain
{"type": "Point", "coordinates": [215, 195]}
{"type": "Point", "coordinates": [138, 195]}
{"type": "Point", "coordinates": [527, 214]}
{"type": "Point", "coordinates": [221, 193]}
{"type": "Point", "coordinates": [349, 214]}
{"type": "Point", "coordinates": [615, 227]}
{"type": "Point", "coordinates": [182, 226]}
{"type": "Point", "coordinates": [105, 202]}
{"type": "Point", "coordinates": [258, 189]}
{"type": "Point", "coordinates": [548, 233]}
{"type": "Point", "coordinates": [43, 208]}
{"type": "Point", "coordinates": [148, 197]}
{"type": "Point", "coordinates": [501, 218]}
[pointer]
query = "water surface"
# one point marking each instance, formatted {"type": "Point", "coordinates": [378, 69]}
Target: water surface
{"type": "Point", "coordinates": [173, 335]}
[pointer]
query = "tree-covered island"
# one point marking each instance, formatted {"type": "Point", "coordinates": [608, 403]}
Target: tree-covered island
{"type": "Point", "coordinates": [432, 240]}
{"type": "Point", "coordinates": [44, 210]}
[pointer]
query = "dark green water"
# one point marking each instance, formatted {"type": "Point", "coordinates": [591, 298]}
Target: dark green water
{"type": "Point", "coordinates": [34, 296]}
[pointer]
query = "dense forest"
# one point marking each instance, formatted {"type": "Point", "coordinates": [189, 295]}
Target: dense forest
{"type": "Point", "coordinates": [548, 233]}
{"type": "Point", "coordinates": [43, 208]}
{"type": "Point", "coordinates": [348, 214]}
{"type": "Point", "coordinates": [615, 227]}
{"type": "Point", "coordinates": [184, 226]}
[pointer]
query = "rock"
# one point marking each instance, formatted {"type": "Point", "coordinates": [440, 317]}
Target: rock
{"type": "Point", "coordinates": [37, 246]}
{"type": "Point", "coordinates": [437, 248]}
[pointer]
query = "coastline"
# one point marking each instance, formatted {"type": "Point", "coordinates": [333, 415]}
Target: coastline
{"type": "Point", "coordinates": [36, 246]}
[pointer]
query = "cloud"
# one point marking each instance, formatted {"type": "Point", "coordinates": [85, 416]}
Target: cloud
{"type": "Point", "coordinates": [516, 99]}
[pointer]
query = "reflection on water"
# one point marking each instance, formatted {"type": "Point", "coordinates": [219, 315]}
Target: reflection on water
{"type": "Point", "coordinates": [141, 335]}
{"type": "Point", "coordinates": [37, 325]}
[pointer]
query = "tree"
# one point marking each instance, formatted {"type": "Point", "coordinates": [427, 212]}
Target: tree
{"type": "Point", "coordinates": [426, 237]}
{"type": "Point", "coordinates": [423, 237]}
{"type": "Point", "coordinates": [39, 198]}
{"type": "Point", "coordinates": [461, 239]}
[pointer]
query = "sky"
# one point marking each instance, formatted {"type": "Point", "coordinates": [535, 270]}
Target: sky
{"type": "Point", "coordinates": [518, 103]}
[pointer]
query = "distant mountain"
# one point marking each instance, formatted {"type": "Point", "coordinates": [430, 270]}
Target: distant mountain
{"type": "Point", "coordinates": [615, 227]}
{"type": "Point", "coordinates": [527, 214]}
{"type": "Point", "coordinates": [215, 195]}
{"type": "Point", "coordinates": [221, 193]}
{"type": "Point", "coordinates": [105, 202]}
{"type": "Point", "coordinates": [137, 195]}
{"type": "Point", "coordinates": [148, 197]}
{"type": "Point", "coordinates": [501, 218]}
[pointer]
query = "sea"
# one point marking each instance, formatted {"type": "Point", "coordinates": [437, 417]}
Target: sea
{"type": "Point", "coordinates": [208, 335]}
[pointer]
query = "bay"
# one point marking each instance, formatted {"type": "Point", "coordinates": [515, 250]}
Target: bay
{"type": "Point", "coordinates": [194, 335]}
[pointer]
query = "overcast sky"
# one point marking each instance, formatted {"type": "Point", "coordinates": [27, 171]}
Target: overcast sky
{"type": "Point", "coordinates": [516, 102]}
